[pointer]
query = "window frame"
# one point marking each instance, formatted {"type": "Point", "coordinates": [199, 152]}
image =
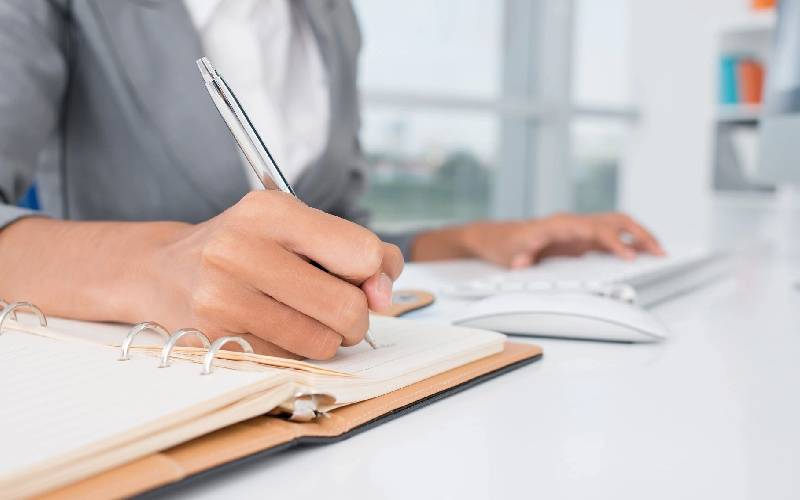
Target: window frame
{"type": "Point", "coordinates": [535, 112]}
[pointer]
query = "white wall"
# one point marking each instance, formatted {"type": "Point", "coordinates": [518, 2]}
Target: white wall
{"type": "Point", "coordinates": [667, 165]}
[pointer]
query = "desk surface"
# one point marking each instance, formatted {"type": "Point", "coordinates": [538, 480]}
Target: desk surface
{"type": "Point", "coordinates": [711, 413]}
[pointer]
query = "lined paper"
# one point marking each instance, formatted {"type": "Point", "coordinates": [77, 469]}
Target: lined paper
{"type": "Point", "coordinates": [407, 346]}
{"type": "Point", "coordinates": [410, 351]}
{"type": "Point", "coordinates": [60, 398]}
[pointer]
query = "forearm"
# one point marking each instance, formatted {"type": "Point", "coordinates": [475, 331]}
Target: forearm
{"type": "Point", "coordinates": [84, 270]}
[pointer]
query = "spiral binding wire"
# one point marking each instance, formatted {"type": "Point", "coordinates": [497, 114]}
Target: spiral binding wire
{"type": "Point", "coordinates": [136, 330]}
{"type": "Point", "coordinates": [217, 345]}
{"type": "Point", "coordinates": [172, 342]}
{"type": "Point", "coordinates": [9, 310]}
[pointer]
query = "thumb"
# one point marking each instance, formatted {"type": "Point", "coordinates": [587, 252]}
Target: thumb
{"type": "Point", "coordinates": [378, 289]}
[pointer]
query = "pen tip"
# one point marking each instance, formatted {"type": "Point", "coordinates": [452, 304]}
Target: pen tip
{"type": "Point", "coordinates": [371, 341]}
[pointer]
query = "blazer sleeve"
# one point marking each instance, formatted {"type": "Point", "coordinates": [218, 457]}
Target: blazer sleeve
{"type": "Point", "coordinates": [33, 75]}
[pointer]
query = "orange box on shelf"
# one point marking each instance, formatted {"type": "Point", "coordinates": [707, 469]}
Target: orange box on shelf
{"type": "Point", "coordinates": [762, 4]}
{"type": "Point", "coordinates": [751, 81]}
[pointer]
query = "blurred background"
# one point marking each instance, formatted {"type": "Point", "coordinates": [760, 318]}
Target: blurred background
{"type": "Point", "coordinates": [517, 108]}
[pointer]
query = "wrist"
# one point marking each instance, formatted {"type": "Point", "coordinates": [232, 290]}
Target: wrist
{"type": "Point", "coordinates": [146, 267]}
{"type": "Point", "coordinates": [440, 244]}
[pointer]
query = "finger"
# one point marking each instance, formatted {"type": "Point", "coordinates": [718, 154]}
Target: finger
{"type": "Point", "coordinates": [571, 249]}
{"type": "Point", "coordinates": [643, 239]}
{"type": "Point", "coordinates": [567, 235]}
{"type": "Point", "coordinates": [293, 281]}
{"type": "Point", "coordinates": [248, 311]}
{"type": "Point", "coordinates": [340, 246]}
{"type": "Point", "coordinates": [378, 290]}
{"type": "Point", "coordinates": [609, 240]}
{"type": "Point", "coordinates": [261, 346]}
{"type": "Point", "coordinates": [393, 262]}
{"type": "Point", "coordinates": [291, 330]}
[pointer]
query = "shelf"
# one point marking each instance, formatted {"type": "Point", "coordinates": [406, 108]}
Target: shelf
{"type": "Point", "coordinates": [751, 35]}
{"type": "Point", "coordinates": [759, 20]}
{"type": "Point", "coordinates": [739, 113]}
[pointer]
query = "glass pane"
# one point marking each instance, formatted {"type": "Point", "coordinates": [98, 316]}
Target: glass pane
{"type": "Point", "coordinates": [427, 168]}
{"type": "Point", "coordinates": [601, 53]}
{"type": "Point", "coordinates": [597, 146]}
{"type": "Point", "coordinates": [442, 47]}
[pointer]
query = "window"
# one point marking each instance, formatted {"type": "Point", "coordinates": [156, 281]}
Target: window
{"type": "Point", "coordinates": [427, 71]}
{"type": "Point", "coordinates": [460, 123]}
{"type": "Point", "coordinates": [602, 96]}
{"type": "Point", "coordinates": [428, 167]}
{"type": "Point", "coordinates": [597, 145]}
{"type": "Point", "coordinates": [447, 47]}
{"type": "Point", "coordinates": [600, 58]}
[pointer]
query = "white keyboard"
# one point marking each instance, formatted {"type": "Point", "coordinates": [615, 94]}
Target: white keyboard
{"type": "Point", "coordinates": [478, 289]}
{"type": "Point", "coordinates": [646, 281]}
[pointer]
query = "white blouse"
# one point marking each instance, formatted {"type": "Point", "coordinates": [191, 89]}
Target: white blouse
{"type": "Point", "coordinates": [267, 53]}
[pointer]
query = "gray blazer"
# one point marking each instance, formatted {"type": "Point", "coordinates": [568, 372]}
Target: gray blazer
{"type": "Point", "coordinates": [102, 105]}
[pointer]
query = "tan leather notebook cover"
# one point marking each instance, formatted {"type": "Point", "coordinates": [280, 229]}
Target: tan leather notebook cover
{"type": "Point", "coordinates": [262, 436]}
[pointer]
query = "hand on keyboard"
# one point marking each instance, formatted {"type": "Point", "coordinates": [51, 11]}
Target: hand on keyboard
{"type": "Point", "coordinates": [519, 244]}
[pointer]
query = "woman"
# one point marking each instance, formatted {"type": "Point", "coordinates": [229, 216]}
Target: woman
{"type": "Point", "coordinates": [146, 198]}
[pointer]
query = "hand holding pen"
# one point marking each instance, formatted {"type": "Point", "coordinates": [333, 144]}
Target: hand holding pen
{"type": "Point", "coordinates": [376, 287]}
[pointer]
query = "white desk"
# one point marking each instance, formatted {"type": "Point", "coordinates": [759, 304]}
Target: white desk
{"type": "Point", "coordinates": [712, 413]}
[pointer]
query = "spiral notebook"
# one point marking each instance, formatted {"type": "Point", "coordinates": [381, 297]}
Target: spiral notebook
{"type": "Point", "coordinates": [77, 408]}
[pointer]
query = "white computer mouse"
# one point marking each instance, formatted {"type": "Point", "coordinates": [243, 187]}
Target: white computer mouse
{"type": "Point", "coordinates": [563, 315]}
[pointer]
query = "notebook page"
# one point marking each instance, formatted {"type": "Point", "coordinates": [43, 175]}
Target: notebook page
{"type": "Point", "coordinates": [410, 351]}
{"type": "Point", "coordinates": [61, 399]}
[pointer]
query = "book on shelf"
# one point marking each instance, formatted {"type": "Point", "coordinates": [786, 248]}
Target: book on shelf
{"type": "Point", "coordinates": [741, 80]}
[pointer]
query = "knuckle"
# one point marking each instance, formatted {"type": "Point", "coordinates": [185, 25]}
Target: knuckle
{"type": "Point", "coordinates": [393, 253]}
{"type": "Point", "coordinates": [329, 346]}
{"type": "Point", "coordinates": [204, 302]}
{"type": "Point", "coordinates": [353, 311]}
{"type": "Point", "coordinates": [371, 248]}
{"type": "Point", "coordinates": [318, 342]}
{"type": "Point", "coordinates": [216, 252]}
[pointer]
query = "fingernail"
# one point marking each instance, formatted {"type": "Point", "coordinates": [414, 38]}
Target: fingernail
{"type": "Point", "coordinates": [385, 284]}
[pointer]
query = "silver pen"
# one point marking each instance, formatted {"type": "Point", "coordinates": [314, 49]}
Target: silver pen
{"type": "Point", "coordinates": [248, 139]}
